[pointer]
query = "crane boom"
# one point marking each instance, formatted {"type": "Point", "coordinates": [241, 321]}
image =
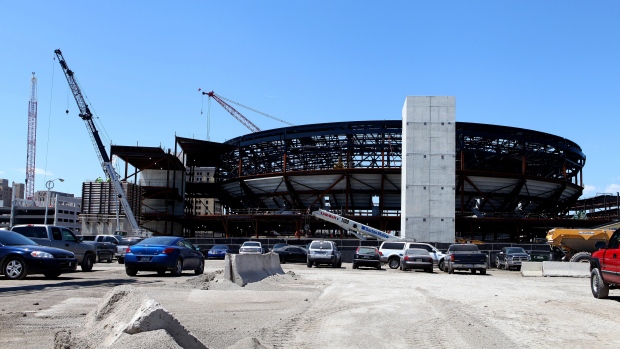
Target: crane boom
{"type": "Point", "coordinates": [104, 159]}
{"type": "Point", "coordinates": [242, 119]}
{"type": "Point", "coordinates": [358, 229]}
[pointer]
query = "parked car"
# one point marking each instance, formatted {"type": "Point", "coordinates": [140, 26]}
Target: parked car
{"type": "Point", "coordinates": [251, 247]}
{"type": "Point", "coordinates": [60, 237]}
{"type": "Point", "coordinates": [465, 257]}
{"type": "Point", "coordinates": [541, 253]}
{"type": "Point", "coordinates": [163, 253]}
{"type": "Point", "coordinates": [121, 248]}
{"type": "Point", "coordinates": [604, 274]}
{"type": "Point", "coordinates": [104, 244]}
{"type": "Point", "coordinates": [104, 253]}
{"type": "Point", "coordinates": [20, 256]}
{"type": "Point", "coordinates": [417, 258]}
{"type": "Point", "coordinates": [367, 256]}
{"type": "Point", "coordinates": [279, 245]}
{"type": "Point", "coordinates": [218, 251]}
{"type": "Point", "coordinates": [393, 251]}
{"type": "Point", "coordinates": [511, 257]}
{"type": "Point", "coordinates": [294, 254]}
{"type": "Point", "coordinates": [324, 252]}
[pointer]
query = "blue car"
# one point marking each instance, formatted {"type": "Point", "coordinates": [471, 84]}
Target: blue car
{"type": "Point", "coordinates": [20, 256]}
{"type": "Point", "coordinates": [164, 253]}
{"type": "Point", "coordinates": [218, 252]}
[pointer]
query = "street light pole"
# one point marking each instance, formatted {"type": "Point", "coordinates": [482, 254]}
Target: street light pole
{"type": "Point", "coordinates": [49, 185]}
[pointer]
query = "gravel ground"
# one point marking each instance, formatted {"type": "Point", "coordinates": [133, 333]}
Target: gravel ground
{"type": "Point", "coordinates": [327, 308]}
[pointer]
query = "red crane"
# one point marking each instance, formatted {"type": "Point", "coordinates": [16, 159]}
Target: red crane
{"type": "Point", "coordinates": [247, 123]}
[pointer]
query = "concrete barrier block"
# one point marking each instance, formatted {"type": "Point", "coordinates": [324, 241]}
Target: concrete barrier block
{"type": "Point", "coordinates": [531, 269]}
{"type": "Point", "coordinates": [566, 269]}
{"type": "Point", "coordinates": [243, 269]}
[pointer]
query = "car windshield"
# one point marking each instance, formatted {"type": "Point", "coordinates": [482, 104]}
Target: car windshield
{"type": "Point", "coordinates": [8, 238]}
{"type": "Point", "coordinates": [251, 244]}
{"type": "Point", "coordinates": [219, 247]}
{"type": "Point", "coordinates": [157, 240]}
{"type": "Point", "coordinates": [515, 250]}
{"type": "Point", "coordinates": [417, 251]}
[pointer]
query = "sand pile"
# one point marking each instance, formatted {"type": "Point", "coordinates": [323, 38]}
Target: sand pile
{"type": "Point", "coordinates": [128, 318]}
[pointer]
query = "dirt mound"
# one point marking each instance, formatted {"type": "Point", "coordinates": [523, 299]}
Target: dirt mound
{"type": "Point", "coordinates": [122, 314]}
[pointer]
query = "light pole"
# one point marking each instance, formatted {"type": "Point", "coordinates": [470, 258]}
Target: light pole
{"type": "Point", "coordinates": [49, 185]}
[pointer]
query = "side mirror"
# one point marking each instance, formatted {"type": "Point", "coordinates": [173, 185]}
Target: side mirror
{"type": "Point", "coordinates": [600, 244]}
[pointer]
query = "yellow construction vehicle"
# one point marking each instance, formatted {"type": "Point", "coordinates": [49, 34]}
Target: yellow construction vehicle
{"type": "Point", "coordinates": [576, 244]}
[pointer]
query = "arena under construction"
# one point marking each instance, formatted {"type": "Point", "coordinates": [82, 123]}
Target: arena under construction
{"type": "Point", "coordinates": [511, 184]}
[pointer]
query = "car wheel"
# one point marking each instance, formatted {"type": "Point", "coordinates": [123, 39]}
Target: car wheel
{"type": "Point", "coordinates": [178, 268]}
{"type": "Point", "coordinates": [379, 266]}
{"type": "Point", "coordinates": [440, 265]}
{"type": "Point", "coordinates": [499, 266]}
{"type": "Point", "coordinates": [473, 271]}
{"type": "Point", "coordinates": [600, 289]}
{"type": "Point", "coordinates": [87, 262]}
{"type": "Point", "coordinates": [52, 274]}
{"type": "Point", "coordinates": [121, 260]}
{"type": "Point", "coordinates": [393, 263]}
{"type": "Point", "coordinates": [15, 268]}
{"type": "Point", "coordinates": [131, 271]}
{"type": "Point", "coordinates": [309, 264]}
{"type": "Point", "coordinates": [200, 269]}
{"type": "Point", "coordinates": [483, 271]}
{"type": "Point", "coordinates": [354, 266]}
{"type": "Point", "coordinates": [339, 265]}
{"type": "Point", "coordinates": [161, 272]}
{"type": "Point", "coordinates": [429, 270]}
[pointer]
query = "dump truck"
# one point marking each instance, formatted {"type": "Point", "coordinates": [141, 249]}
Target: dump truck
{"type": "Point", "coordinates": [576, 245]}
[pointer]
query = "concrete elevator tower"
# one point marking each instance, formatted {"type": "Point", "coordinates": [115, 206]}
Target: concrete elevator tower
{"type": "Point", "coordinates": [428, 169]}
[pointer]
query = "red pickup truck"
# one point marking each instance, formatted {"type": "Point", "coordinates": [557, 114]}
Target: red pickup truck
{"type": "Point", "coordinates": [605, 266]}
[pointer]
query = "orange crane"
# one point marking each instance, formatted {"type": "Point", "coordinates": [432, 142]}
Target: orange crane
{"type": "Point", "coordinates": [242, 119]}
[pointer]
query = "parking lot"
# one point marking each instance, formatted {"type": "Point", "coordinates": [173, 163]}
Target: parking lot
{"type": "Point", "coordinates": [330, 308]}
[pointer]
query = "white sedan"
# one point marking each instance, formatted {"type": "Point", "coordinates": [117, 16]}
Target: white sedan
{"type": "Point", "coordinates": [251, 247]}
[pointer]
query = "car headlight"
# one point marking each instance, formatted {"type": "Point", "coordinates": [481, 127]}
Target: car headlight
{"type": "Point", "coordinates": [41, 254]}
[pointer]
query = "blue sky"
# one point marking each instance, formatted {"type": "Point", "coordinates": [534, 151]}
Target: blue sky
{"type": "Point", "coordinates": [549, 66]}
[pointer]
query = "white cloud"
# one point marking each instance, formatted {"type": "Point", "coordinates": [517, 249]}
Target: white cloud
{"type": "Point", "coordinates": [588, 191]}
{"type": "Point", "coordinates": [612, 188]}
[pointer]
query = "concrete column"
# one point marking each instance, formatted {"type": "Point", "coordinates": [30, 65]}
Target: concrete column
{"type": "Point", "coordinates": [428, 170]}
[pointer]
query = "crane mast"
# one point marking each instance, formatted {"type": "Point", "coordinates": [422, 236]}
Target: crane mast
{"type": "Point", "coordinates": [32, 139]}
{"type": "Point", "coordinates": [358, 229]}
{"type": "Point", "coordinates": [104, 159]}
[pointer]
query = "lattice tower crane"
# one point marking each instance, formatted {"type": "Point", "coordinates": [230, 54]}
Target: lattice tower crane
{"type": "Point", "coordinates": [247, 123]}
{"type": "Point", "coordinates": [32, 139]}
{"type": "Point", "coordinates": [104, 159]}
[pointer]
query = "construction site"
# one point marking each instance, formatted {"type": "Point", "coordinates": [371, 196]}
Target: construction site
{"type": "Point", "coordinates": [422, 176]}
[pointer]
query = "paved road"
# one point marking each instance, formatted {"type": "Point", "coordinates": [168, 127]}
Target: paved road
{"type": "Point", "coordinates": [329, 308]}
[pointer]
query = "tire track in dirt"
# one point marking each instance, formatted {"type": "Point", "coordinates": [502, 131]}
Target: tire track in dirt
{"type": "Point", "coordinates": [465, 326]}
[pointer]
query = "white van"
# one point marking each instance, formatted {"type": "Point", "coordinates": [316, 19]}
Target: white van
{"type": "Point", "coordinates": [392, 251]}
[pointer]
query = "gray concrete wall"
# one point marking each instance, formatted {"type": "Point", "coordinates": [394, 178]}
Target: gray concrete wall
{"type": "Point", "coordinates": [428, 170]}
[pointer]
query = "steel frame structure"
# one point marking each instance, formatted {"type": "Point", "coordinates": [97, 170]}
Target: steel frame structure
{"type": "Point", "coordinates": [508, 168]}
